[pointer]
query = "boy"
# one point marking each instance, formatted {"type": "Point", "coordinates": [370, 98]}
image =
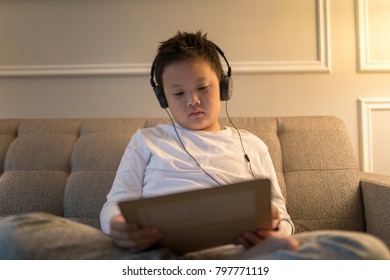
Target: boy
{"type": "Point", "coordinates": [193, 153]}
{"type": "Point", "coordinates": [189, 75]}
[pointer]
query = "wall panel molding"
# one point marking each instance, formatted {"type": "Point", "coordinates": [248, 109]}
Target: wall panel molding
{"type": "Point", "coordinates": [366, 108]}
{"type": "Point", "coordinates": [321, 64]}
{"type": "Point", "coordinates": [365, 62]}
{"type": "Point", "coordinates": [76, 70]}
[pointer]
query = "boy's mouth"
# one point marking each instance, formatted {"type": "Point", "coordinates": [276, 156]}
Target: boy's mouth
{"type": "Point", "coordinates": [196, 113]}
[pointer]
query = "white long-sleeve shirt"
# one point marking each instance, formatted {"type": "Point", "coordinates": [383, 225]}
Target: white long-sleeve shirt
{"type": "Point", "coordinates": [155, 163]}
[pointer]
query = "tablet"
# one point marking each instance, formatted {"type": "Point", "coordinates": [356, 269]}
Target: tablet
{"type": "Point", "coordinates": [201, 219]}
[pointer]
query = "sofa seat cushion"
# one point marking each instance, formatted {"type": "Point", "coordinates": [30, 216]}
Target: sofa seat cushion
{"type": "Point", "coordinates": [322, 175]}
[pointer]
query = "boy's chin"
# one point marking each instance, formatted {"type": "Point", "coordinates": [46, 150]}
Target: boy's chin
{"type": "Point", "coordinates": [190, 126]}
{"type": "Point", "coordinates": [200, 126]}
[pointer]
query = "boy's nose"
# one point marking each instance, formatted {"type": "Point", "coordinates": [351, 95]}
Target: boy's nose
{"type": "Point", "coordinates": [193, 100]}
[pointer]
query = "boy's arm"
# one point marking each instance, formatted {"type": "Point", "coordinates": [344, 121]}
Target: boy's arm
{"type": "Point", "coordinates": [286, 226]}
{"type": "Point", "coordinates": [127, 184]}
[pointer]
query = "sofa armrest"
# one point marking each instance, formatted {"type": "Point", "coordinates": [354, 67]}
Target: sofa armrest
{"type": "Point", "coordinates": [376, 200]}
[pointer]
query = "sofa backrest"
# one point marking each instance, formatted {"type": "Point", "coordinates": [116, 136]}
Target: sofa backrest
{"type": "Point", "coordinates": [316, 168]}
{"type": "Point", "coordinates": [67, 166]}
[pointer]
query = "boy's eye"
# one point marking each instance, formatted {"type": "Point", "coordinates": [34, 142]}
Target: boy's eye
{"type": "Point", "coordinates": [202, 88]}
{"type": "Point", "coordinates": [178, 94]}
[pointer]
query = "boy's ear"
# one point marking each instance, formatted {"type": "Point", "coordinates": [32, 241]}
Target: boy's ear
{"type": "Point", "coordinates": [226, 87]}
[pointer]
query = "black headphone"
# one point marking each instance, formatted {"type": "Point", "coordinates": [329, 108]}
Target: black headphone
{"type": "Point", "coordinates": [225, 84]}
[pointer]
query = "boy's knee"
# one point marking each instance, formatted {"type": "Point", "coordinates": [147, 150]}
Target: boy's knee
{"type": "Point", "coordinates": [23, 223]}
{"type": "Point", "coordinates": [15, 233]}
{"type": "Point", "coordinates": [356, 245]}
{"type": "Point", "coordinates": [46, 236]}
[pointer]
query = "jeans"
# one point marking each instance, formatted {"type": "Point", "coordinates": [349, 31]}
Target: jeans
{"type": "Point", "coordinates": [45, 236]}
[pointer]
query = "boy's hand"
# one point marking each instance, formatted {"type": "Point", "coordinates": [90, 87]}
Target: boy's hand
{"type": "Point", "coordinates": [130, 237]}
{"type": "Point", "coordinates": [268, 241]}
{"type": "Point", "coordinates": [249, 239]}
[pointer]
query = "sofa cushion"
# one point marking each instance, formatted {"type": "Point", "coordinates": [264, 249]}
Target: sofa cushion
{"type": "Point", "coordinates": [37, 165]}
{"type": "Point", "coordinates": [40, 151]}
{"type": "Point", "coordinates": [95, 159]}
{"type": "Point", "coordinates": [85, 193]}
{"type": "Point", "coordinates": [321, 173]}
{"type": "Point", "coordinates": [8, 132]}
{"type": "Point", "coordinates": [32, 190]}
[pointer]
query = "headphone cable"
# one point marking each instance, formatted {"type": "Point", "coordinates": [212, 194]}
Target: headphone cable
{"type": "Point", "coordinates": [184, 148]}
{"type": "Point", "coordinates": [247, 159]}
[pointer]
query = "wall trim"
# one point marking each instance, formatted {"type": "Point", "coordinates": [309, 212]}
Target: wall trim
{"type": "Point", "coordinates": [366, 107]}
{"type": "Point", "coordinates": [322, 64]}
{"type": "Point", "coordinates": [76, 70]}
{"type": "Point", "coordinates": [365, 62]}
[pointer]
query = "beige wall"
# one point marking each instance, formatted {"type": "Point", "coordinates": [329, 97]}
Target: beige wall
{"type": "Point", "coordinates": [91, 58]}
{"type": "Point", "coordinates": [381, 162]}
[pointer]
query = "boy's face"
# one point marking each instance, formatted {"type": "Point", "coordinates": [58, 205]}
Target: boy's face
{"type": "Point", "coordinates": [191, 88]}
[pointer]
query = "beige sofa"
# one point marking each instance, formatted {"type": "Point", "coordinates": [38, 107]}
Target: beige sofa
{"type": "Point", "coordinates": [66, 167]}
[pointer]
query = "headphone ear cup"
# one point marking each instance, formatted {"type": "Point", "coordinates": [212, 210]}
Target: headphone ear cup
{"type": "Point", "coordinates": [159, 92]}
{"type": "Point", "coordinates": [226, 87]}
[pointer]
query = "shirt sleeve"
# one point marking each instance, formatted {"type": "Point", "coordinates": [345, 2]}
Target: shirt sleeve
{"type": "Point", "coordinates": [285, 223]}
{"type": "Point", "coordinates": [264, 167]}
{"type": "Point", "coordinates": [127, 183]}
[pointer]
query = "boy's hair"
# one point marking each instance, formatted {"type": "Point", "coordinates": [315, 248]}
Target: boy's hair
{"type": "Point", "coordinates": [185, 46]}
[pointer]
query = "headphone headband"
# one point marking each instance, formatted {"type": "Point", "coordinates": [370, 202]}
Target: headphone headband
{"type": "Point", "coordinates": [221, 53]}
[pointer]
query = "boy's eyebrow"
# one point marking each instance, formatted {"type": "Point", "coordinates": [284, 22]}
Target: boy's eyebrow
{"type": "Point", "coordinates": [174, 87]}
{"type": "Point", "coordinates": [198, 80]}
